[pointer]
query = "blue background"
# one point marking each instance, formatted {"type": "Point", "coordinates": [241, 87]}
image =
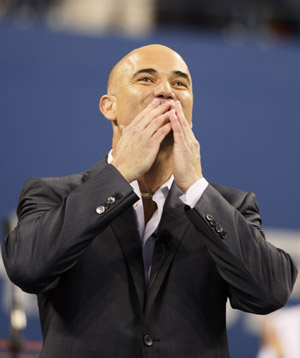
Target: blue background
{"type": "Point", "coordinates": [246, 117]}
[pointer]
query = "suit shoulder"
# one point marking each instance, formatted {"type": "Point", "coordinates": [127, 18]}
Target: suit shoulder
{"type": "Point", "coordinates": [60, 185]}
{"type": "Point", "coordinates": [45, 192]}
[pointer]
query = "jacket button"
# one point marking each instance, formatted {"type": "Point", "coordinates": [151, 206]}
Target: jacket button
{"type": "Point", "coordinates": [209, 217]}
{"type": "Point", "coordinates": [148, 341]}
{"type": "Point", "coordinates": [219, 229]}
{"type": "Point", "coordinates": [100, 209]}
{"type": "Point", "coordinates": [111, 200]}
{"type": "Point", "coordinates": [213, 223]}
{"type": "Point", "coordinates": [117, 196]}
{"type": "Point", "coordinates": [223, 235]}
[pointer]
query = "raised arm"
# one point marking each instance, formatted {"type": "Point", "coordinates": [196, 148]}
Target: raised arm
{"type": "Point", "coordinates": [260, 276]}
{"type": "Point", "coordinates": [58, 219]}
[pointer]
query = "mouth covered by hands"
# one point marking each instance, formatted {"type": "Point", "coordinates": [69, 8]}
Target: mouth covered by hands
{"type": "Point", "coordinates": [140, 142]}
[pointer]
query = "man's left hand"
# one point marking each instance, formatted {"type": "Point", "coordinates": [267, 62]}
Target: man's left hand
{"type": "Point", "coordinates": [187, 167]}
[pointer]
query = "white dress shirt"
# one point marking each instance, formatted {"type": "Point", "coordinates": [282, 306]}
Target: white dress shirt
{"type": "Point", "coordinates": [190, 198]}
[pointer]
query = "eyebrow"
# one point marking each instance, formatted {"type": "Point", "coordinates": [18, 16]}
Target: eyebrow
{"type": "Point", "coordinates": [182, 74]}
{"type": "Point", "coordinates": [152, 71]}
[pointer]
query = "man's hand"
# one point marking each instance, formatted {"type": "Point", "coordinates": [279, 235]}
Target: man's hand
{"type": "Point", "coordinates": [139, 143]}
{"type": "Point", "coordinates": [186, 151]}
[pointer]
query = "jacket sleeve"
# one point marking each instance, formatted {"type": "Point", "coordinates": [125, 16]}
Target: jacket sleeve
{"type": "Point", "coordinates": [260, 277]}
{"type": "Point", "coordinates": [57, 221]}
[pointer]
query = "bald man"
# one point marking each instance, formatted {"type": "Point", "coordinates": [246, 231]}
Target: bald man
{"type": "Point", "coordinates": [137, 256]}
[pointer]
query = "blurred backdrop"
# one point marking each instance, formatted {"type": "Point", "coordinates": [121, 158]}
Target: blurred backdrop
{"type": "Point", "coordinates": [244, 57]}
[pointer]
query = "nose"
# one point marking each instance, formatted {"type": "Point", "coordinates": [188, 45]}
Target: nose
{"type": "Point", "coordinates": [164, 90]}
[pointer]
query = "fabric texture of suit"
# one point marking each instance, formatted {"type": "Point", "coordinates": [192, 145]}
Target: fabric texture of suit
{"type": "Point", "coordinates": [87, 269]}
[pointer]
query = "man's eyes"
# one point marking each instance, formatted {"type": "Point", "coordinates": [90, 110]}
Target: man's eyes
{"type": "Point", "coordinates": [145, 79]}
{"type": "Point", "coordinates": [151, 80]}
{"type": "Point", "coordinates": [180, 84]}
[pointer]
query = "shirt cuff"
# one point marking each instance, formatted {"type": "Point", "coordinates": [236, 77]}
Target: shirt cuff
{"type": "Point", "coordinates": [268, 352]}
{"type": "Point", "coordinates": [194, 193]}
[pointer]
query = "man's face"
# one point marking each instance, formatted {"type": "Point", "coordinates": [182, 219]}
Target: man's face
{"type": "Point", "coordinates": [150, 72]}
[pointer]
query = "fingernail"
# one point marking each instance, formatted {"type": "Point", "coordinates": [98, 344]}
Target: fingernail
{"type": "Point", "coordinates": [155, 102]}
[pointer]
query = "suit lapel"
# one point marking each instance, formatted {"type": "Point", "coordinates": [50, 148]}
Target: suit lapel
{"type": "Point", "coordinates": [170, 232]}
{"type": "Point", "coordinates": [125, 229]}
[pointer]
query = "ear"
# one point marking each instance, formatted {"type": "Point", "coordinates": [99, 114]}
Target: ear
{"type": "Point", "coordinates": [107, 106]}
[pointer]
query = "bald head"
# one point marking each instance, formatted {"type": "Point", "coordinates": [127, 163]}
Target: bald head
{"type": "Point", "coordinates": [151, 53]}
{"type": "Point", "coordinates": [149, 72]}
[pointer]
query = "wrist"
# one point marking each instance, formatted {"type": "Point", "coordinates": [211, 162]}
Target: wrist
{"type": "Point", "coordinates": [122, 171]}
{"type": "Point", "coordinates": [188, 184]}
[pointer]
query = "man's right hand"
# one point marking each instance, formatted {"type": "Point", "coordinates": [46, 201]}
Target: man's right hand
{"type": "Point", "coordinates": [140, 141]}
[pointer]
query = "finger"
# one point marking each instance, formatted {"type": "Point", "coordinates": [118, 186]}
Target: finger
{"type": "Point", "coordinates": [180, 114]}
{"type": "Point", "coordinates": [157, 123]}
{"type": "Point", "coordinates": [162, 132]}
{"type": "Point", "coordinates": [177, 128]}
{"type": "Point", "coordinates": [153, 110]}
{"type": "Point", "coordinates": [187, 130]}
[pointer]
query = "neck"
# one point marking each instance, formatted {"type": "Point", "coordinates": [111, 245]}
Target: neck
{"type": "Point", "coordinates": [161, 169]}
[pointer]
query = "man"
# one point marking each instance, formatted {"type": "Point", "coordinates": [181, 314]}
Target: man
{"type": "Point", "coordinates": [137, 256]}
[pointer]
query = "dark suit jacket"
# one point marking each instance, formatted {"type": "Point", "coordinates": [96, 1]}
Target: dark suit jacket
{"type": "Point", "coordinates": [86, 267]}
